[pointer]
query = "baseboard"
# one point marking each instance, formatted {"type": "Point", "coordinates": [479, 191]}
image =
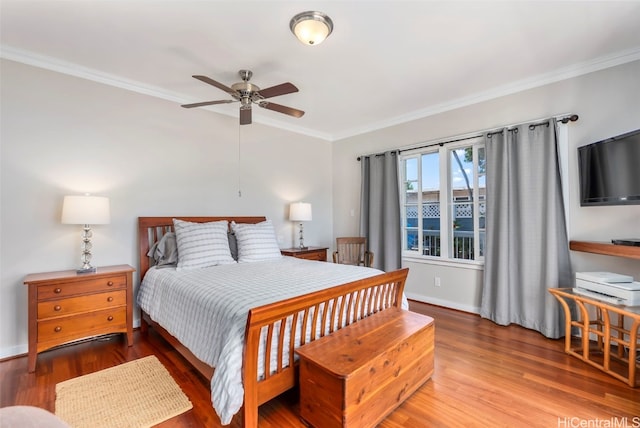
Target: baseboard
{"type": "Point", "coordinates": [13, 351]}
{"type": "Point", "coordinates": [445, 303]}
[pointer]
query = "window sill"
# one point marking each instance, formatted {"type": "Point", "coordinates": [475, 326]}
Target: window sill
{"type": "Point", "coordinates": [460, 264]}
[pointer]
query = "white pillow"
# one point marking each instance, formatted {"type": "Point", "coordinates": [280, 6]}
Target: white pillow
{"type": "Point", "coordinates": [202, 245]}
{"type": "Point", "coordinates": [256, 242]}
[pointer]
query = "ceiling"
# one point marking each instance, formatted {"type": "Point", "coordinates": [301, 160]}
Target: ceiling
{"type": "Point", "coordinates": [387, 62]}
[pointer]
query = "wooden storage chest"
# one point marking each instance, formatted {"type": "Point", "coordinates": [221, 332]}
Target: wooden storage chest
{"type": "Point", "coordinates": [356, 376]}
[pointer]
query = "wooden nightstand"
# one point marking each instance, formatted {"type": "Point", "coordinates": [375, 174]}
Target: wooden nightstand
{"type": "Point", "coordinates": [310, 253]}
{"type": "Point", "coordinates": [66, 306]}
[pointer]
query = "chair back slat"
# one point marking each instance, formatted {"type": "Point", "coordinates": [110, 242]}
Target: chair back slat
{"type": "Point", "coordinates": [352, 251]}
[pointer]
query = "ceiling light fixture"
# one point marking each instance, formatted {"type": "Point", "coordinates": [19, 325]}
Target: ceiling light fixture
{"type": "Point", "coordinates": [311, 28]}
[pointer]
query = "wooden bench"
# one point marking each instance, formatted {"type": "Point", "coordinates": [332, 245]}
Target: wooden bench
{"type": "Point", "coordinates": [356, 376]}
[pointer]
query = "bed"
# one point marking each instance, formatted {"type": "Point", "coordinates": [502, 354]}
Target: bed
{"type": "Point", "coordinates": [254, 359]}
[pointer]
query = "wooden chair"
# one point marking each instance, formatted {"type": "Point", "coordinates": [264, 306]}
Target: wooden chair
{"type": "Point", "coordinates": [352, 251]}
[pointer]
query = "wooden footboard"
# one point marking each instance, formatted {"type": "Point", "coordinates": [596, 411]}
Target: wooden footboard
{"type": "Point", "coordinates": [314, 315]}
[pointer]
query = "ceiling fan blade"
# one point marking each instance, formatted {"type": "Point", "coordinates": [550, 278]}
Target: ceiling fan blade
{"type": "Point", "coordinates": [207, 103]}
{"type": "Point", "coordinates": [218, 85]}
{"type": "Point", "coordinates": [245, 116]}
{"type": "Point", "coordinates": [274, 91]}
{"type": "Point", "coordinates": [281, 109]}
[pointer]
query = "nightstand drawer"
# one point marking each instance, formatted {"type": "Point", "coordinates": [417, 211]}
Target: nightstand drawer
{"type": "Point", "coordinates": [316, 255]}
{"type": "Point", "coordinates": [60, 330]}
{"type": "Point", "coordinates": [79, 304]}
{"type": "Point", "coordinates": [82, 286]}
{"type": "Point", "coordinates": [309, 253]}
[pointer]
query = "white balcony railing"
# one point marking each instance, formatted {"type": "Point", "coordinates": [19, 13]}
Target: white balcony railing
{"type": "Point", "coordinates": [432, 210]}
{"type": "Point", "coordinates": [463, 244]}
{"type": "Point", "coordinates": [463, 238]}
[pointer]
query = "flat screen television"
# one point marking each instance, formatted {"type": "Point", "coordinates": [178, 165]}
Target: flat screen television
{"type": "Point", "coordinates": [610, 171]}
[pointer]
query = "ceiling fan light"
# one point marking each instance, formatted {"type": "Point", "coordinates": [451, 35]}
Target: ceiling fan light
{"type": "Point", "coordinates": [311, 28]}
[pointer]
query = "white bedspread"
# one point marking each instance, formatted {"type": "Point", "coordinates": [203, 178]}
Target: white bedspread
{"type": "Point", "coordinates": [206, 309]}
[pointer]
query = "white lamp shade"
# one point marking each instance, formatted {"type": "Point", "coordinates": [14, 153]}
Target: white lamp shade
{"type": "Point", "coordinates": [85, 210]}
{"type": "Point", "coordinates": [300, 211]}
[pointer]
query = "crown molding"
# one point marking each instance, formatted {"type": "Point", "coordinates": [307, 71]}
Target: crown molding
{"type": "Point", "coordinates": [574, 70]}
{"type": "Point", "coordinates": [72, 69]}
{"type": "Point", "coordinates": [564, 73]}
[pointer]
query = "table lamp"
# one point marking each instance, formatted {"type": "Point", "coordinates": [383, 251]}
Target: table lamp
{"type": "Point", "coordinates": [85, 210]}
{"type": "Point", "coordinates": [300, 211]}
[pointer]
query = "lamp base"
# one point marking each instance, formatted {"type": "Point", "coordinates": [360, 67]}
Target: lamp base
{"type": "Point", "coordinates": [302, 248]}
{"type": "Point", "coordinates": [87, 270]}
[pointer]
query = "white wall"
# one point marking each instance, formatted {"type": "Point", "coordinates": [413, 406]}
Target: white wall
{"type": "Point", "coordinates": [608, 103]}
{"type": "Point", "coordinates": [63, 135]}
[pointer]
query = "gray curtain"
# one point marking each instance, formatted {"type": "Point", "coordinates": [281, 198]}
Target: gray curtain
{"type": "Point", "coordinates": [380, 209]}
{"type": "Point", "coordinates": [527, 250]}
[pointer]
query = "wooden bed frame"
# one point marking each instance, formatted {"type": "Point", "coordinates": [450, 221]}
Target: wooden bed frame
{"type": "Point", "coordinates": [362, 298]}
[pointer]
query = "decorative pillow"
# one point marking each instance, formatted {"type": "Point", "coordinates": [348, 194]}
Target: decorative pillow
{"type": "Point", "coordinates": [233, 245]}
{"type": "Point", "coordinates": [256, 242]}
{"type": "Point", "coordinates": [202, 245]}
{"type": "Point", "coordinates": [165, 251]}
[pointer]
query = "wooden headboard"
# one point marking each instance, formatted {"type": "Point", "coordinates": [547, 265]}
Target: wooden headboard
{"type": "Point", "coordinates": [150, 229]}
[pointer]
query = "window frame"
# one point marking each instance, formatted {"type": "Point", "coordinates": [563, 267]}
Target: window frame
{"type": "Point", "coordinates": [446, 201]}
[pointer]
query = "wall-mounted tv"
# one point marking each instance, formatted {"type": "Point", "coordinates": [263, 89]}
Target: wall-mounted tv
{"type": "Point", "coordinates": [610, 171]}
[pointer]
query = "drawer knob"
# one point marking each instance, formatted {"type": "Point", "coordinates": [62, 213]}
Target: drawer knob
{"type": "Point", "coordinates": [110, 283]}
{"type": "Point", "coordinates": [109, 299]}
{"type": "Point", "coordinates": [57, 308]}
{"type": "Point", "coordinates": [109, 318]}
{"type": "Point", "coordinates": [58, 290]}
{"type": "Point", "coordinates": [57, 329]}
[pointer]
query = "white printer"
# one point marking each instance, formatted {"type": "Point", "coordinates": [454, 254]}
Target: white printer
{"type": "Point", "coordinates": [610, 287]}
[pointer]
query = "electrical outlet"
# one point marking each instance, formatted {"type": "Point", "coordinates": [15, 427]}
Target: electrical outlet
{"type": "Point", "coordinates": [436, 281]}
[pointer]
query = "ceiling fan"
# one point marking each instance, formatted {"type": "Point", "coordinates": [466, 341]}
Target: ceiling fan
{"type": "Point", "coordinates": [248, 93]}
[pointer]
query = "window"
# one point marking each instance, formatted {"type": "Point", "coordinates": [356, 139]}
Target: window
{"type": "Point", "coordinates": [444, 201]}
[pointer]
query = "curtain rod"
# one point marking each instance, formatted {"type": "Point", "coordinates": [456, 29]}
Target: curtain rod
{"type": "Point", "coordinates": [563, 120]}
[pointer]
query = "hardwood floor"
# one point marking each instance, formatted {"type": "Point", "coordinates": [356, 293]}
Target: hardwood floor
{"type": "Point", "coordinates": [485, 375]}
